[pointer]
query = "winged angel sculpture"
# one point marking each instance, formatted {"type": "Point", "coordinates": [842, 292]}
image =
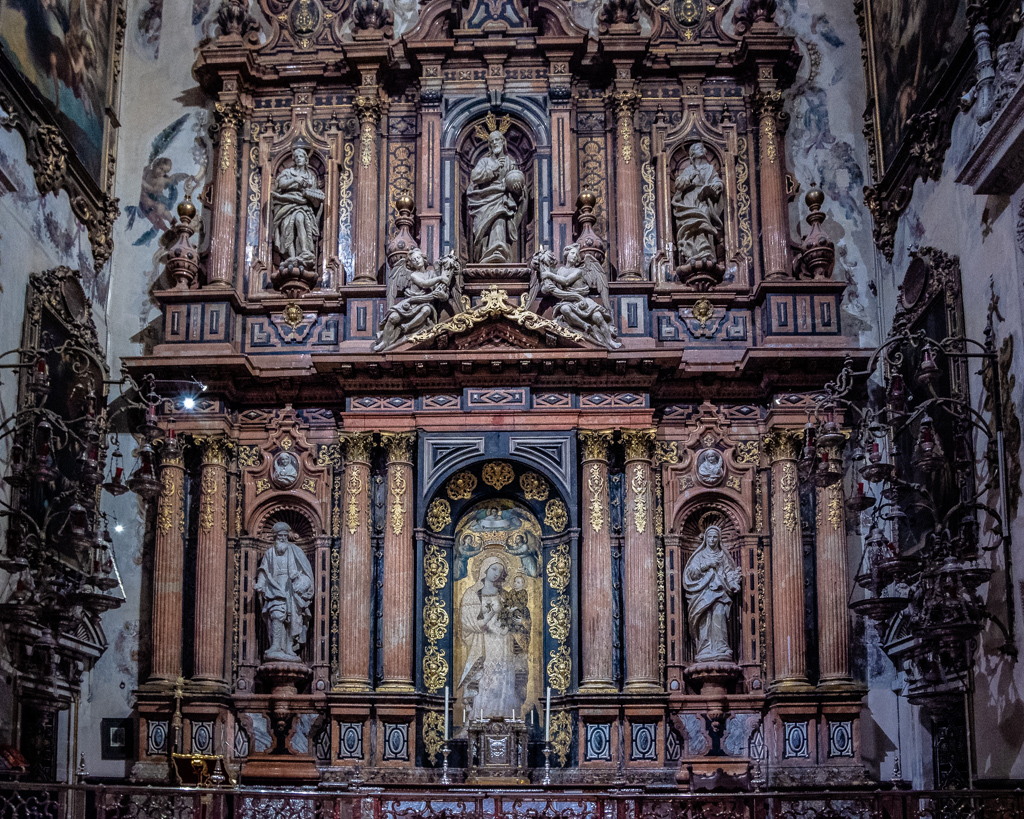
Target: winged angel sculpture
{"type": "Point", "coordinates": [573, 283]}
{"type": "Point", "coordinates": [415, 292]}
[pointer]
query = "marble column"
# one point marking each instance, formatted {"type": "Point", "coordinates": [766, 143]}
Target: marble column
{"type": "Point", "coordinates": [629, 237]}
{"type": "Point", "coordinates": [428, 191]}
{"type": "Point", "coordinates": [772, 170]}
{"type": "Point", "coordinates": [369, 109]}
{"type": "Point", "coordinates": [399, 564]}
{"type": "Point", "coordinates": [356, 567]}
{"type": "Point", "coordinates": [211, 565]}
{"type": "Point", "coordinates": [563, 157]}
{"type": "Point", "coordinates": [168, 569]}
{"type": "Point", "coordinates": [596, 564]}
{"type": "Point", "coordinates": [639, 566]}
{"type": "Point", "coordinates": [832, 583]}
{"type": "Point", "coordinates": [220, 272]}
{"type": "Point", "coordinates": [787, 591]}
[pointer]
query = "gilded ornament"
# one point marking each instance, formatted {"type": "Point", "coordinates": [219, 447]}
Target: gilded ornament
{"type": "Point", "coordinates": [666, 452]}
{"type": "Point", "coordinates": [596, 486]}
{"type": "Point", "coordinates": [329, 455]}
{"type": "Point", "coordinates": [336, 495]}
{"type": "Point", "coordinates": [789, 482]}
{"type": "Point", "coordinates": [398, 488]}
{"type": "Point", "coordinates": [639, 485]}
{"type": "Point", "coordinates": [216, 450]}
{"type": "Point", "coordinates": [292, 315]}
{"type": "Point", "coordinates": [734, 483]}
{"type": "Point", "coordinates": [435, 568]}
{"type": "Point", "coordinates": [747, 452]}
{"type": "Point", "coordinates": [561, 735]}
{"type": "Point", "coordinates": [534, 486]}
{"type": "Point", "coordinates": [399, 445]}
{"type": "Point", "coordinates": [703, 311]}
{"type": "Point", "coordinates": [560, 669]}
{"type": "Point", "coordinates": [558, 568]}
{"type": "Point", "coordinates": [835, 506]}
{"type": "Point", "coordinates": [309, 485]}
{"type": "Point", "coordinates": [435, 669]}
{"type": "Point", "coordinates": [556, 516]}
{"type": "Point", "coordinates": [559, 619]}
{"type": "Point", "coordinates": [782, 444]}
{"type": "Point", "coordinates": [762, 619]}
{"type": "Point", "coordinates": [335, 608]}
{"type": "Point", "coordinates": [659, 510]}
{"type": "Point", "coordinates": [790, 518]}
{"type": "Point", "coordinates": [435, 619]}
{"type": "Point", "coordinates": [709, 439]}
{"type": "Point", "coordinates": [262, 485]}
{"type": "Point", "coordinates": [287, 443]}
{"type": "Point", "coordinates": [165, 513]}
{"type": "Point", "coordinates": [461, 486]}
{"type": "Point", "coordinates": [595, 444]}
{"type": "Point", "coordinates": [209, 489]}
{"type": "Point", "coordinates": [358, 446]}
{"type": "Point", "coordinates": [498, 474]}
{"type": "Point", "coordinates": [743, 199]}
{"type": "Point", "coordinates": [433, 734]}
{"type": "Point", "coordinates": [355, 491]}
{"type": "Point", "coordinates": [439, 514]}
{"type": "Point", "coordinates": [638, 443]}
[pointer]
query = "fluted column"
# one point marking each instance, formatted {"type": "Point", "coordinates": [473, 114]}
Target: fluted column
{"type": "Point", "coordinates": [639, 566]}
{"type": "Point", "coordinates": [774, 202]}
{"type": "Point", "coordinates": [787, 591]}
{"type": "Point", "coordinates": [356, 567]}
{"type": "Point", "coordinates": [833, 582]}
{"type": "Point", "coordinates": [369, 110]}
{"type": "Point", "coordinates": [598, 670]}
{"type": "Point", "coordinates": [629, 219]}
{"type": "Point", "coordinates": [225, 193]}
{"type": "Point", "coordinates": [211, 564]}
{"type": "Point", "coordinates": [168, 569]}
{"type": "Point", "coordinates": [399, 564]}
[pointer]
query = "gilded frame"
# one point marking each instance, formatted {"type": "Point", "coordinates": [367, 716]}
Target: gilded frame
{"type": "Point", "coordinates": [50, 149]}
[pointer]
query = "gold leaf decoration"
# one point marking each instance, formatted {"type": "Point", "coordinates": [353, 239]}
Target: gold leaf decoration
{"type": "Point", "coordinates": [355, 490]}
{"type": "Point", "coordinates": [461, 486]}
{"type": "Point", "coordinates": [639, 485]}
{"type": "Point", "coordinates": [439, 514]}
{"type": "Point", "coordinates": [560, 669]}
{"type": "Point", "coordinates": [596, 485]}
{"type": "Point", "coordinates": [561, 735]}
{"type": "Point", "coordinates": [498, 474]}
{"type": "Point", "coordinates": [435, 619]}
{"type": "Point", "coordinates": [435, 568]}
{"type": "Point", "coordinates": [329, 455]}
{"type": "Point", "coordinates": [435, 669]}
{"type": "Point", "coordinates": [534, 486]}
{"type": "Point", "coordinates": [433, 734]}
{"type": "Point", "coordinates": [165, 512]}
{"type": "Point", "coordinates": [209, 487]}
{"type": "Point", "coordinates": [262, 485]}
{"type": "Point", "coordinates": [559, 619]}
{"type": "Point", "coordinates": [398, 488]}
{"type": "Point", "coordinates": [748, 452]}
{"type": "Point", "coordinates": [558, 568]}
{"type": "Point", "coordinates": [309, 485]}
{"type": "Point", "coordinates": [249, 456]}
{"type": "Point", "coordinates": [556, 516]}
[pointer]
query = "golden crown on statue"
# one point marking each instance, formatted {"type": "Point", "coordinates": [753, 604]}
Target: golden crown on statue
{"type": "Point", "coordinates": [493, 124]}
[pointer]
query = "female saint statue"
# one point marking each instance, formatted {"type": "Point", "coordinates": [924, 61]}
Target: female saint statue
{"type": "Point", "coordinates": [496, 630]}
{"type": "Point", "coordinates": [284, 582]}
{"type": "Point", "coordinates": [710, 579]}
{"type": "Point", "coordinates": [697, 208]}
{"type": "Point", "coordinates": [497, 203]}
{"type": "Point", "coordinates": [297, 202]}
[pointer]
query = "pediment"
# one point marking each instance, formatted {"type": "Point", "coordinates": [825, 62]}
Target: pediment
{"type": "Point", "coordinates": [496, 324]}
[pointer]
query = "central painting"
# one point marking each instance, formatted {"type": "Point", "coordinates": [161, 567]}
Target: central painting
{"type": "Point", "coordinates": [498, 594]}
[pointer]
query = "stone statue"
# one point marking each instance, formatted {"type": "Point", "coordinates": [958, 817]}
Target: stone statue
{"type": "Point", "coordinates": [297, 202]}
{"type": "Point", "coordinates": [697, 207]}
{"type": "Point", "coordinates": [496, 199]}
{"type": "Point", "coordinates": [414, 291]}
{"type": "Point", "coordinates": [710, 579]}
{"type": "Point", "coordinates": [572, 284]}
{"type": "Point", "coordinates": [284, 582]}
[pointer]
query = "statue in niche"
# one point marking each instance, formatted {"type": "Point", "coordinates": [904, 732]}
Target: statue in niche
{"type": "Point", "coordinates": [496, 626]}
{"type": "Point", "coordinates": [284, 582]}
{"type": "Point", "coordinates": [710, 579]}
{"type": "Point", "coordinates": [574, 283]}
{"type": "Point", "coordinates": [414, 293]}
{"type": "Point", "coordinates": [297, 203]}
{"type": "Point", "coordinates": [496, 198]}
{"type": "Point", "coordinates": [697, 207]}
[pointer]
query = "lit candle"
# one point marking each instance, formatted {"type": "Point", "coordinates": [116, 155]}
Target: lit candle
{"type": "Point", "coordinates": [547, 717]}
{"type": "Point", "coordinates": [171, 434]}
{"type": "Point", "coordinates": [446, 713]}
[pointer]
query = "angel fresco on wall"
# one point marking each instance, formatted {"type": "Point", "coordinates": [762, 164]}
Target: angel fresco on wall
{"type": "Point", "coordinates": [414, 294]}
{"type": "Point", "coordinates": [574, 283]}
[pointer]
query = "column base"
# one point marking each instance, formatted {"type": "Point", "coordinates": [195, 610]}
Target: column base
{"type": "Point", "coordinates": [159, 685]}
{"type": "Point", "coordinates": [363, 280]}
{"type": "Point", "coordinates": [207, 685]}
{"type": "Point", "coordinates": [353, 686]}
{"type": "Point", "coordinates": [643, 687]}
{"type": "Point", "coordinates": [598, 687]}
{"type": "Point", "coordinates": [790, 687]}
{"type": "Point", "coordinates": [839, 684]}
{"type": "Point", "coordinates": [399, 687]}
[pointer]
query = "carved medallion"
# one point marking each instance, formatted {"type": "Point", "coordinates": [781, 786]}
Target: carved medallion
{"type": "Point", "coordinates": [710, 467]}
{"type": "Point", "coordinates": [284, 473]}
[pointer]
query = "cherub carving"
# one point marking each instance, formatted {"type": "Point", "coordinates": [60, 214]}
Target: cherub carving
{"type": "Point", "coordinates": [572, 283]}
{"type": "Point", "coordinates": [415, 292]}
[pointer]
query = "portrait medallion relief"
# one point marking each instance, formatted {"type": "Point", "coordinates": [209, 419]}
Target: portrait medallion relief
{"type": "Point", "coordinates": [710, 467]}
{"type": "Point", "coordinates": [284, 473]}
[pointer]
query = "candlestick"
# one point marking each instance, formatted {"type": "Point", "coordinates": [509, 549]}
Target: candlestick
{"type": "Point", "coordinates": [547, 764]}
{"type": "Point", "coordinates": [445, 778]}
{"type": "Point", "coordinates": [446, 713]}
{"type": "Point", "coordinates": [547, 717]}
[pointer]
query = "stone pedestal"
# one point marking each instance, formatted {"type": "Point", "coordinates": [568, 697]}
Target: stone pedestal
{"type": "Point", "coordinates": [713, 681]}
{"type": "Point", "coordinates": [284, 678]}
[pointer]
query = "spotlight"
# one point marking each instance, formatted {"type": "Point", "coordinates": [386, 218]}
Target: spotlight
{"type": "Point", "coordinates": [189, 403]}
{"type": "Point", "coordinates": [118, 528]}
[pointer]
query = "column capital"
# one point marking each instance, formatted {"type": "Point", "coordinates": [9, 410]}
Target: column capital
{"type": "Point", "coordinates": [595, 443]}
{"type": "Point", "coordinates": [768, 103]}
{"type": "Point", "coordinates": [171, 455]}
{"type": "Point", "coordinates": [398, 445]}
{"type": "Point", "coordinates": [358, 446]}
{"type": "Point", "coordinates": [782, 444]}
{"type": "Point", "coordinates": [638, 443]}
{"type": "Point", "coordinates": [216, 449]}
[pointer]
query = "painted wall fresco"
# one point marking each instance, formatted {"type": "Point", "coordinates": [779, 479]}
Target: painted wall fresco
{"type": "Point", "coordinates": [63, 49]}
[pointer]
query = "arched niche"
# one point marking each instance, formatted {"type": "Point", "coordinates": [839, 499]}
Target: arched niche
{"type": "Point", "coordinates": [511, 513]}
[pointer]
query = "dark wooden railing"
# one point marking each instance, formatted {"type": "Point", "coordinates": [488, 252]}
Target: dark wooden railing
{"type": "Point", "coordinates": [43, 801]}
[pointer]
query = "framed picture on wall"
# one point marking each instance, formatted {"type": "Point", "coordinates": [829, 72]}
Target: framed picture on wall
{"type": "Point", "coordinates": [117, 738]}
{"type": "Point", "coordinates": [910, 46]}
